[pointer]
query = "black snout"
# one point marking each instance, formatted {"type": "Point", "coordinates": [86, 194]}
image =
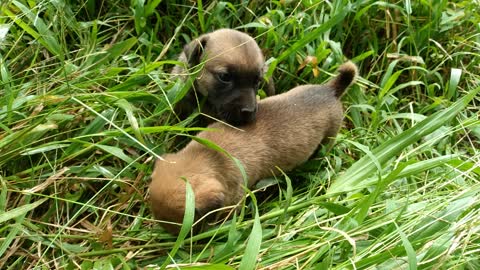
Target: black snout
{"type": "Point", "coordinates": [241, 107]}
{"type": "Point", "coordinates": [247, 115]}
{"type": "Point", "coordinates": [239, 116]}
{"type": "Point", "coordinates": [250, 109]}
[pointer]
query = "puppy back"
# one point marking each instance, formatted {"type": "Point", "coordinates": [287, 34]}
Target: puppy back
{"type": "Point", "coordinates": [347, 73]}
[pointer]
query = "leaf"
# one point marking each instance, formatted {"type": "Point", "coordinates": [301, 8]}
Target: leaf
{"type": "Point", "coordinates": [308, 38]}
{"type": "Point", "coordinates": [101, 118]}
{"type": "Point", "coordinates": [418, 167]}
{"type": "Point", "coordinates": [314, 34]}
{"type": "Point", "coordinates": [288, 198]}
{"type": "Point", "coordinates": [439, 247]}
{"type": "Point", "coordinates": [465, 166]}
{"type": "Point", "coordinates": [411, 255]}
{"type": "Point", "coordinates": [74, 248]}
{"type": "Point", "coordinates": [43, 149]}
{"type": "Point", "coordinates": [353, 178]}
{"type": "Point", "coordinates": [17, 103]}
{"type": "Point", "coordinates": [367, 202]}
{"type": "Point", "coordinates": [408, 9]}
{"type": "Point", "coordinates": [208, 267]}
{"type": "Point", "coordinates": [151, 6]}
{"type": "Point", "coordinates": [114, 52]}
{"type": "Point", "coordinates": [116, 152]}
{"type": "Point", "coordinates": [44, 35]}
{"type": "Point", "coordinates": [95, 126]}
{"type": "Point", "coordinates": [337, 209]}
{"type": "Point", "coordinates": [139, 15]}
{"type": "Point", "coordinates": [249, 259]}
{"type": "Point", "coordinates": [201, 15]}
{"type": "Point", "coordinates": [433, 224]}
{"type": "Point", "coordinates": [188, 219]}
{"type": "Point", "coordinates": [103, 264]}
{"type": "Point", "coordinates": [3, 195]}
{"type": "Point", "coordinates": [367, 152]}
{"type": "Point", "coordinates": [21, 210]}
{"type": "Point", "coordinates": [387, 86]}
{"type": "Point", "coordinates": [14, 230]}
{"type": "Point", "coordinates": [128, 108]}
{"type": "Point", "coordinates": [230, 245]}
{"type": "Point", "coordinates": [455, 75]}
{"type": "Point", "coordinates": [252, 25]}
{"type": "Point", "coordinates": [3, 32]}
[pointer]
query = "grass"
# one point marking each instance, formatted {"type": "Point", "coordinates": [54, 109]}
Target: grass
{"type": "Point", "coordinates": [85, 107]}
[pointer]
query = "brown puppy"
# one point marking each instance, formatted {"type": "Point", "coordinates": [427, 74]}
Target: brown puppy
{"type": "Point", "coordinates": [230, 79]}
{"type": "Point", "coordinates": [288, 129]}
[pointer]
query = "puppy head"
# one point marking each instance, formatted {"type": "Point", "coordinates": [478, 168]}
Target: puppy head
{"type": "Point", "coordinates": [232, 74]}
{"type": "Point", "coordinates": [168, 191]}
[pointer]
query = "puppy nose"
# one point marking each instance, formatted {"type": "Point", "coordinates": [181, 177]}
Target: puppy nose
{"type": "Point", "coordinates": [248, 109]}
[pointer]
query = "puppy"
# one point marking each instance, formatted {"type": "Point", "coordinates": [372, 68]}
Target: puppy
{"type": "Point", "coordinates": [288, 129]}
{"type": "Point", "coordinates": [230, 79]}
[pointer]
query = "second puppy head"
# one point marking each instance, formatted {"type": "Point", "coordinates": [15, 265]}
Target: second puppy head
{"type": "Point", "coordinates": [232, 73]}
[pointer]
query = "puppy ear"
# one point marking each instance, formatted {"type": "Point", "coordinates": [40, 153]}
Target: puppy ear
{"type": "Point", "coordinates": [194, 50]}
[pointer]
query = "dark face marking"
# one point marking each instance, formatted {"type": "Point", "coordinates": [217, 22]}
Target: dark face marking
{"type": "Point", "coordinates": [231, 76]}
{"type": "Point", "coordinates": [233, 95]}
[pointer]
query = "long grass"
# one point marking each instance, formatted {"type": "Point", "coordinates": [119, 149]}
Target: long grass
{"type": "Point", "coordinates": [86, 106]}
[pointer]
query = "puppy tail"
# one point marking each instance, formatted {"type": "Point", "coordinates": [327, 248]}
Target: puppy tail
{"type": "Point", "coordinates": [347, 73]}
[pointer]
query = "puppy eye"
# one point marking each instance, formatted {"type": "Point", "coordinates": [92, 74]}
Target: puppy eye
{"type": "Point", "coordinates": [224, 77]}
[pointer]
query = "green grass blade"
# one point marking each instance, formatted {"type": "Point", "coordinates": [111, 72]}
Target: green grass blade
{"type": "Point", "coordinates": [360, 170]}
{"type": "Point", "coordinates": [93, 127]}
{"type": "Point", "coordinates": [249, 259]}
{"type": "Point", "coordinates": [46, 36]}
{"type": "Point", "coordinates": [14, 230]}
{"type": "Point", "coordinates": [365, 204]}
{"type": "Point", "coordinates": [139, 15]}
{"type": "Point", "coordinates": [201, 16]}
{"type": "Point", "coordinates": [455, 75]}
{"type": "Point", "coordinates": [8, 95]}
{"type": "Point", "coordinates": [314, 34]}
{"type": "Point", "coordinates": [287, 197]}
{"type": "Point", "coordinates": [115, 151]}
{"type": "Point", "coordinates": [337, 18]}
{"type": "Point", "coordinates": [418, 167]}
{"type": "Point", "coordinates": [151, 6]}
{"type": "Point", "coordinates": [411, 254]}
{"type": "Point", "coordinates": [188, 219]}
{"type": "Point", "coordinates": [232, 240]}
{"type": "Point", "coordinates": [128, 108]}
{"type": "Point", "coordinates": [21, 210]}
{"type": "Point", "coordinates": [114, 51]}
{"type": "Point", "coordinates": [438, 249]}
{"type": "Point", "coordinates": [208, 267]}
{"type": "Point", "coordinates": [432, 225]}
{"type": "Point", "coordinates": [43, 148]}
{"type": "Point", "coordinates": [3, 195]}
{"type": "Point", "coordinates": [43, 35]}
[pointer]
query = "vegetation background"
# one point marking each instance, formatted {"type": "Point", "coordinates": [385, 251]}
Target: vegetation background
{"type": "Point", "coordinates": [85, 102]}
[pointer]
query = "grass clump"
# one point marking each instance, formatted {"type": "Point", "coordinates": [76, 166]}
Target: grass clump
{"type": "Point", "coordinates": [86, 105]}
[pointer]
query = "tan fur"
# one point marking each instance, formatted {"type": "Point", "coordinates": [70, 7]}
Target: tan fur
{"type": "Point", "coordinates": [288, 129]}
{"type": "Point", "coordinates": [224, 51]}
